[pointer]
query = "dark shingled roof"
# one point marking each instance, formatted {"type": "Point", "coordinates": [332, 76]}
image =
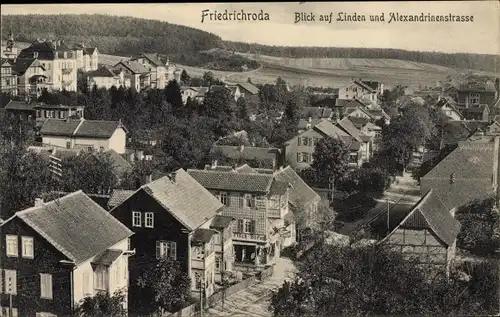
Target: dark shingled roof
{"type": "Point", "coordinates": [89, 50]}
{"type": "Point", "coordinates": [80, 128]}
{"type": "Point", "coordinates": [250, 88]}
{"type": "Point", "coordinates": [134, 66]}
{"type": "Point", "coordinates": [234, 181]}
{"type": "Point", "coordinates": [153, 58]}
{"type": "Point", "coordinates": [101, 72]}
{"type": "Point", "coordinates": [107, 257]}
{"type": "Point", "coordinates": [76, 226]}
{"type": "Point", "coordinates": [186, 199]}
{"type": "Point", "coordinates": [359, 122]}
{"type": "Point", "coordinates": [300, 193]}
{"type": "Point", "coordinates": [59, 127]}
{"type": "Point", "coordinates": [246, 152]}
{"type": "Point", "coordinates": [202, 236]}
{"type": "Point", "coordinates": [349, 127]}
{"type": "Point", "coordinates": [279, 187]}
{"type": "Point", "coordinates": [221, 222]}
{"type": "Point", "coordinates": [19, 105]}
{"type": "Point", "coordinates": [431, 213]}
{"type": "Point", "coordinates": [118, 196]}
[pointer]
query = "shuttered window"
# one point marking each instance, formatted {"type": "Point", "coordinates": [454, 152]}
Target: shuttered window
{"type": "Point", "coordinates": [46, 286]}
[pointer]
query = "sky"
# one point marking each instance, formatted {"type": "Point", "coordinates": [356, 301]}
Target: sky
{"type": "Point", "coordinates": [480, 36]}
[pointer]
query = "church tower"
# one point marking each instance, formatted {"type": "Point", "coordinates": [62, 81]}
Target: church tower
{"type": "Point", "coordinates": [11, 47]}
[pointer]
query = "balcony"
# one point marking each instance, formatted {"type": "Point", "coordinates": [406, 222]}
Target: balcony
{"type": "Point", "coordinates": [249, 237]}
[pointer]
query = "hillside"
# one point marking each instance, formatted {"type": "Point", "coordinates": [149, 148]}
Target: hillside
{"type": "Point", "coordinates": [483, 62]}
{"type": "Point", "coordinates": [126, 36]}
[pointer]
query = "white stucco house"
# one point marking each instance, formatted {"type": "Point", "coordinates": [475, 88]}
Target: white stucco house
{"type": "Point", "coordinates": [81, 133]}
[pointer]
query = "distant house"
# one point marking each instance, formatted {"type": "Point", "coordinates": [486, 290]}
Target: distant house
{"type": "Point", "coordinates": [449, 107]}
{"type": "Point", "coordinates": [188, 92]}
{"type": "Point", "coordinates": [235, 92]}
{"type": "Point", "coordinates": [106, 78]}
{"type": "Point", "coordinates": [175, 217]}
{"type": "Point", "coordinates": [58, 252]}
{"type": "Point", "coordinates": [87, 58]}
{"type": "Point", "coordinates": [156, 66]}
{"type": "Point", "coordinates": [359, 89]}
{"type": "Point", "coordinates": [31, 76]}
{"type": "Point", "coordinates": [477, 113]}
{"type": "Point", "coordinates": [299, 150]}
{"type": "Point", "coordinates": [81, 133]}
{"type": "Point", "coordinates": [9, 77]}
{"type": "Point", "coordinates": [429, 233]}
{"type": "Point", "coordinates": [471, 94]}
{"type": "Point", "coordinates": [248, 91]}
{"type": "Point", "coordinates": [41, 111]}
{"type": "Point", "coordinates": [257, 157]}
{"type": "Point", "coordinates": [139, 76]}
{"type": "Point", "coordinates": [259, 203]}
{"type": "Point", "coordinates": [58, 60]}
{"type": "Point", "coordinates": [365, 141]}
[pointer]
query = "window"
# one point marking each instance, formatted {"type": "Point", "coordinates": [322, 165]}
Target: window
{"type": "Point", "coordinates": [46, 286]}
{"type": "Point", "coordinates": [217, 239]}
{"type": "Point", "coordinates": [166, 249]}
{"type": "Point", "coordinates": [61, 114]}
{"type": "Point", "coordinates": [100, 278]}
{"type": "Point", "coordinates": [149, 220]}
{"type": "Point", "coordinates": [27, 247]}
{"type": "Point", "coordinates": [10, 282]}
{"type": "Point", "coordinates": [136, 219]}
{"type": "Point", "coordinates": [246, 225]}
{"type": "Point", "coordinates": [474, 98]}
{"type": "Point", "coordinates": [52, 114]}
{"type": "Point", "coordinates": [47, 113]}
{"type": "Point", "coordinates": [35, 54]}
{"type": "Point", "coordinates": [12, 248]}
{"type": "Point", "coordinates": [197, 280]}
{"type": "Point", "coordinates": [198, 252]}
{"type": "Point", "coordinates": [38, 114]}
{"type": "Point", "coordinates": [223, 196]}
{"type": "Point", "coordinates": [218, 262]}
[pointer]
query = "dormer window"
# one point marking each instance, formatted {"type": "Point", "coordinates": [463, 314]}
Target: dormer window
{"type": "Point", "coordinates": [35, 54]}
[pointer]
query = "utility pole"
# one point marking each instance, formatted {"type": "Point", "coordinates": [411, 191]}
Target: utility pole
{"type": "Point", "coordinates": [388, 216]}
{"type": "Point", "coordinates": [10, 297]}
{"type": "Point", "coordinates": [332, 188]}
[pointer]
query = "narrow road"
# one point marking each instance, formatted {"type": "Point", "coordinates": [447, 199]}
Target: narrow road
{"type": "Point", "coordinates": [254, 301]}
{"type": "Point", "coordinates": [401, 195]}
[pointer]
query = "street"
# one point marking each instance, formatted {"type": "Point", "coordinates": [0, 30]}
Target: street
{"type": "Point", "coordinates": [400, 197]}
{"type": "Point", "coordinates": [254, 301]}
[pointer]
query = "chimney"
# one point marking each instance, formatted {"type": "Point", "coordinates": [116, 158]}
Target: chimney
{"type": "Point", "coordinates": [242, 147]}
{"type": "Point", "coordinates": [172, 177]}
{"type": "Point", "coordinates": [149, 178]}
{"type": "Point", "coordinates": [309, 119]}
{"type": "Point", "coordinates": [214, 164]}
{"type": "Point", "coordinates": [38, 202]}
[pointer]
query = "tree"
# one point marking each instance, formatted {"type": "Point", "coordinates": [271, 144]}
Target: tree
{"type": "Point", "coordinates": [208, 79]}
{"type": "Point", "coordinates": [92, 172]}
{"type": "Point", "coordinates": [137, 175]}
{"type": "Point", "coordinates": [479, 232]}
{"type": "Point", "coordinates": [242, 110]}
{"type": "Point", "coordinates": [174, 98]}
{"type": "Point", "coordinates": [102, 304]}
{"type": "Point", "coordinates": [24, 176]}
{"type": "Point", "coordinates": [163, 286]}
{"type": "Point", "coordinates": [366, 281]}
{"type": "Point", "coordinates": [185, 78]}
{"type": "Point", "coordinates": [330, 159]}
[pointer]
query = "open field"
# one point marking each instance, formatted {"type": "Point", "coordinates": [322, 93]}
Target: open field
{"type": "Point", "coordinates": [326, 72]}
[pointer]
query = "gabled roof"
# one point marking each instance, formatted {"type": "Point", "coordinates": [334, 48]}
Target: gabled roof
{"type": "Point", "coordinates": [359, 122]}
{"type": "Point", "coordinates": [349, 127]}
{"type": "Point", "coordinates": [19, 105]}
{"type": "Point", "coordinates": [328, 128]}
{"type": "Point", "coordinates": [249, 87]}
{"type": "Point", "coordinates": [103, 71]}
{"type": "Point", "coordinates": [23, 64]}
{"type": "Point", "coordinates": [233, 180]}
{"type": "Point", "coordinates": [202, 236]}
{"type": "Point", "coordinates": [378, 112]}
{"type": "Point", "coordinates": [221, 222]}
{"type": "Point", "coordinates": [364, 85]}
{"type": "Point", "coordinates": [448, 101]}
{"type": "Point", "coordinates": [107, 257]}
{"type": "Point", "coordinates": [430, 213]}
{"type": "Point", "coordinates": [81, 128]}
{"type": "Point", "coordinates": [75, 225]}
{"type": "Point", "coordinates": [118, 196]}
{"type": "Point", "coordinates": [89, 50]}
{"type": "Point", "coordinates": [44, 49]}
{"type": "Point", "coordinates": [184, 198]}
{"type": "Point", "coordinates": [246, 152]}
{"type": "Point", "coordinates": [5, 62]}
{"type": "Point", "coordinates": [300, 195]}
{"type": "Point", "coordinates": [134, 66]}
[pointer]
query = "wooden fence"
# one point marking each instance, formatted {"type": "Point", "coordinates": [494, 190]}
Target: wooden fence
{"type": "Point", "coordinates": [194, 309]}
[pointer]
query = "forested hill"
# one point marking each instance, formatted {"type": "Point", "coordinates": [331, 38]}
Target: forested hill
{"type": "Point", "coordinates": [485, 62]}
{"type": "Point", "coordinates": [111, 34]}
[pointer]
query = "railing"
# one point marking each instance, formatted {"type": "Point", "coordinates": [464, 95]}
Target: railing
{"type": "Point", "coordinates": [249, 236]}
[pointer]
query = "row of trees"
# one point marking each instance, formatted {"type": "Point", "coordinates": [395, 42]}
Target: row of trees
{"type": "Point", "coordinates": [375, 281]}
{"type": "Point", "coordinates": [484, 62]}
